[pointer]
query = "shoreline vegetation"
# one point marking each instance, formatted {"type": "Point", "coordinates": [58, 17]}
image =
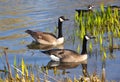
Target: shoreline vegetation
{"type": "Point", "coordinates": [24, 73]}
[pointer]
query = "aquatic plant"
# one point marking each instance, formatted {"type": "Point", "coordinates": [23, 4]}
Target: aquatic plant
{"type": "Point", "coordinates": [24, 74]}
{"type": "Point", "coordinates": [102, 23]}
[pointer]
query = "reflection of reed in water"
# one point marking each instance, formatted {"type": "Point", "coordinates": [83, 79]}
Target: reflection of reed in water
{"type": "Point", "coordinates": [12, 51]}
{"type": "Point", "coordinates": [15, 23]}
{"type": "Point", "coordinates": [11, 37]}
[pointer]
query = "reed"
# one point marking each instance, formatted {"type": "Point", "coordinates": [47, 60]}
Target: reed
{"type": "Point", "coordinates": [101, 23]}
{"type": "Point", "coordinates": [24, 74]}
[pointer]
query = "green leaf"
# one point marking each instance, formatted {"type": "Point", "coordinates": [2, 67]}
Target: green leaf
{"type": "Point", "coordinates": [23, 66]}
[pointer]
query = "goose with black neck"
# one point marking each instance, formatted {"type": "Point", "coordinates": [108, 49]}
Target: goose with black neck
{"type": "Point", "coordinates": [46, 38]}
{"type": "Point", "coordinates": [67, 55]}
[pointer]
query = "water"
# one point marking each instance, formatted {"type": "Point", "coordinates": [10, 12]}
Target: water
{"type": "Point", "coordinates": [16, 16]}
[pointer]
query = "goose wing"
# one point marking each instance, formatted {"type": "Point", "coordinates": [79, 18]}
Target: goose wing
{"type": "Point", "coordinates": [46, 36]}
{"type": "Point", "coordinates": [42, 35]}
{"type": "Point", "coordinates": [61, 53]}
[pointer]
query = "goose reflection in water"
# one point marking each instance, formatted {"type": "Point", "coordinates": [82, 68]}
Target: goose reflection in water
{"type": "Point", "coordinates": [64, 66]}
{"type": "Point", "coordinates": [37, 46]}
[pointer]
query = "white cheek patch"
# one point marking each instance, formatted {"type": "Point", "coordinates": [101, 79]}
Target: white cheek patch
{"type": "Point", "coordinates": [54, 58]}
{"type": "Point", "coordinates": [90, 7]}
{"type": "Point", "coordinates": [61, 20]}
{"type": "Point", "coordinates": [87, 37]}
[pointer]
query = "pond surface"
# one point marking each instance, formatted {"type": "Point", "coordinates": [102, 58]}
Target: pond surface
{"type": "Point", "coordinates": [16, 16]}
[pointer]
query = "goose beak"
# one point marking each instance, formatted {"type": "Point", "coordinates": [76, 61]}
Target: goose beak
{"type": "Point", "coordinates": [93, 6]}
{"type": "Point", "coordinates": [62, 18]}
{"type": "Point", "coordinates": [92, 37]}
{"type": "Point", "coordinates": [66, 19]}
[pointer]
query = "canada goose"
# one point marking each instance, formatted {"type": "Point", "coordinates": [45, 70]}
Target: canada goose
{"type": "Point", "coordinates": [89, 9]}
{"type": "Point", "coordinates": [66, 55]}
{"type": "Point", "coordinates": [49, 38]}
{"type": "Point", "coordinates": [113, 7]}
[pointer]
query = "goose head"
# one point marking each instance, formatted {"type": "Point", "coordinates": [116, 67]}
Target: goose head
{"type": "Point", "coordinates": [84, 46]}
{"type": "Point", "coordinates": [62, 19]}
{"type": "Point", "coordinates": [87, 37]}
{"type": "Point", "coordinates": [90, 7]}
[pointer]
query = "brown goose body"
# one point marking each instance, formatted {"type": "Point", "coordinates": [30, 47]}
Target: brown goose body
{"type": "Point", "coordinates": [67, 55]}
{"type": "Point", "coordinates": [46, 38]}
{"type": "Point", "coordinates": [43, 37]}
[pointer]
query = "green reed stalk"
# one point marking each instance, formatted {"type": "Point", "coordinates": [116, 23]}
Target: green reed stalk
{"type": "Point", "coordinates": [99, 23]}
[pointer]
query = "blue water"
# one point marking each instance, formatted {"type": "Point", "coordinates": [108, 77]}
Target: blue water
{"type": "Point", "coordinates": [16, 16]}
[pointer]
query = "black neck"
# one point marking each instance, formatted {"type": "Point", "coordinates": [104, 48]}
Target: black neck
{"type": "Point", "coordinates": [60, 29]}
{"type": "Point", "coordinates": [84, 49]}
